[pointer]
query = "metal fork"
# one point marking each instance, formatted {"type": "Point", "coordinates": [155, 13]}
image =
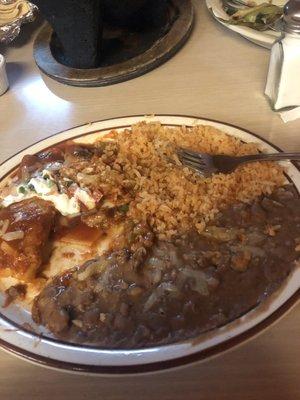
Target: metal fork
{"type": "Point", "coordinates": [207, 164]}
{"type": "Point", "coordinates": [235, 4]}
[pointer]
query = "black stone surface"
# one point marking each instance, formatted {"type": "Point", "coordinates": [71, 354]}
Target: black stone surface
{"type": "Point", "coordinates": [78, 30]}
{"type": "Point", "coordinates": [135, 14]}
{"type": "Point", "coordinates": [124, 42]}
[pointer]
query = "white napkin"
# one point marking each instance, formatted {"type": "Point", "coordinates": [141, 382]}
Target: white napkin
{"type": "Point", "coordinates": [290, 115]}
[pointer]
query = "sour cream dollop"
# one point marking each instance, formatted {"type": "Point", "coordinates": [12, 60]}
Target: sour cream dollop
{"type": "Point", "coordinates": [44, 187]}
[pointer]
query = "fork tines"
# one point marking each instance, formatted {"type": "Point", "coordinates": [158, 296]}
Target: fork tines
{"type": "Point", "coordinates": [193, 159]}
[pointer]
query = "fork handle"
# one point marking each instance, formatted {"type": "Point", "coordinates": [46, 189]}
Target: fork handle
{"type": "Point", "coordinates": [270, 157]}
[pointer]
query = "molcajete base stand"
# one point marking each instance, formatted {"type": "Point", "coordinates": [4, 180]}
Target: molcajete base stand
{"type": "Point", "coordinates": [126, 55]}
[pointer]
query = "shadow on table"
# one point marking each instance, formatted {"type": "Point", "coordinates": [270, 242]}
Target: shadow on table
{"type": "Point", "coordinates": [16, 71]}
{"type": "Point", "coordinates": [71, 93]}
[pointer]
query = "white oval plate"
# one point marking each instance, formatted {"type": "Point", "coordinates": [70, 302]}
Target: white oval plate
{"type": "Point", "coordinates": [264, 39]}
{"type": "Point", "coordinates": [20, 340]}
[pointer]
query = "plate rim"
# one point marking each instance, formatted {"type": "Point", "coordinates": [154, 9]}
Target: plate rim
{"type": "Point", "coordinates": [199, 355]}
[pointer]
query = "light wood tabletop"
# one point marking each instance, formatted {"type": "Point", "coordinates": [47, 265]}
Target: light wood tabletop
{"type": "Point", "coordinates": [217, 75]}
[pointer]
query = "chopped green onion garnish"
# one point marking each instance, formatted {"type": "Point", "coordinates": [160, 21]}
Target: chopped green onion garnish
{"type": "Point", "coordinates": [21, 189]}
{"type": "Point", "coordinates": [124, 208]}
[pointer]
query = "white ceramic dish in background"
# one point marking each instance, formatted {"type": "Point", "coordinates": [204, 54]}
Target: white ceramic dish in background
{"type": "Point", "coordinates": [264, 39]}
{"type": "Point", "coordinates": [3, 75]}
{"type": "Point", "coordinates": [17, 337]}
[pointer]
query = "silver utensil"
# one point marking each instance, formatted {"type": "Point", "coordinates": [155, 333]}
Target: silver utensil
{"type": "Point", "coordinates": [207, 164]}
{"type": "Point", "coordinates": [276, 26]}
{"type": "Point", "coordinates": [234, 5]}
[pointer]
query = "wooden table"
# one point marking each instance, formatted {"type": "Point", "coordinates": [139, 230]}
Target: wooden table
{"type": "Point", "coordinates": [217, 75]}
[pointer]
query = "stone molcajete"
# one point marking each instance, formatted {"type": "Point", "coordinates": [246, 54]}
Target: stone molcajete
{"type": "Point", "coordinates": [93, 33]}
